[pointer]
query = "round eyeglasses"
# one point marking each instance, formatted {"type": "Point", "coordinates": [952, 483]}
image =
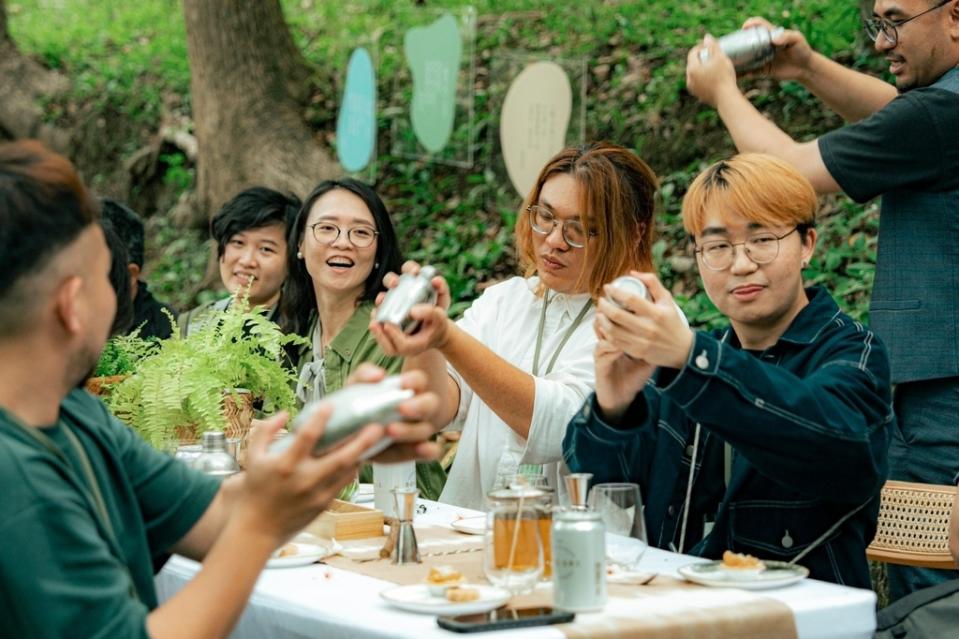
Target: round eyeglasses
{"type": "Point", "coordinates": [761, 248]}
{"type": "Point", "coordinates": [543, 221]}
{"type": "Point", "coordinates": [327, 233]}
{"type": "Point", "coordinates": [889, 29]}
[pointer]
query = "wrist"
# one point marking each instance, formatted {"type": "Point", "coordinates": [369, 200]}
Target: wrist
{"type": "Point", "coordinates": [810, 71]}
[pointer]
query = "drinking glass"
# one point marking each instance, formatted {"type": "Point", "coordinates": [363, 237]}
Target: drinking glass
{"type": "Point", "coordinates": [513, 548]}
{"type": "Point", "coordinates": [621, 509]}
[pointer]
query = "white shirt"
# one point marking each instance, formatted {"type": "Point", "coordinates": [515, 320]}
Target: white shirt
{"type": "Point", "coordinates": [505, 318]}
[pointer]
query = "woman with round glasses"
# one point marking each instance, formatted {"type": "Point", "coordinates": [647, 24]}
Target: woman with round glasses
{"type": "Point", "coordinates": [341, 245]}
{"type": "Point", "coordinates": [516, 367]}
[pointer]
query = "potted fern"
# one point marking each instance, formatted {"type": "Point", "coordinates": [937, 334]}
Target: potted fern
{"type": "Point", "coordinates": [118, 361]}
{"type": "Point", "coordinates": [208, 380]}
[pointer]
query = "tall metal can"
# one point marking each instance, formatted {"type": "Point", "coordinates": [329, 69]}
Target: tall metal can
{"type": "Point", "coordinates": [579, 561]}
{"type": "Point", "coordinates": [749, 49]}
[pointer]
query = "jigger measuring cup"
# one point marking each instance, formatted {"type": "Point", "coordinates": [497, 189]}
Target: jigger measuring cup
{"type": "Point", "coordinates": [406, 550]}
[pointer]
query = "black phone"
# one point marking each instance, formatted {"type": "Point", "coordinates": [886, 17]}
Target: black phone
{"type": "Point", "coordinates": [504, 618]}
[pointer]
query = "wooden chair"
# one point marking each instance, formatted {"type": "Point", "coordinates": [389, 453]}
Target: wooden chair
{"type": "Point", "coordinates": [913, 527]}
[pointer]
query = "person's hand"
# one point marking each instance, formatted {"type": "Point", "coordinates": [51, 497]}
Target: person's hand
{"type": "Point", "coordinates": [411, 438]}
{"type": "Point", "coordinates": [793, 53]}
{"type": "Point", "coordinates": [706, 80]}
{"type": "Point", "coordinates": [619, 378]}
{"type": "Point", "coordinates": [434, 323]}
{"type": "Point", "coordinates": [649, 330]}
{"type": "Point", "coordinates": [283, 492]}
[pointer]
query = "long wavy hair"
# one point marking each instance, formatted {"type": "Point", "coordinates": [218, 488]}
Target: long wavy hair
{"type": "Point", "coordinates": [298, 301]}
{"type": "Point", "coordinates": [618, 191]}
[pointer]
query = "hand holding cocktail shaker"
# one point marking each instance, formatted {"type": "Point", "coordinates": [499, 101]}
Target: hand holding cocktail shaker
{"type": "Point", "coordinates": [408, 292]}
{"type": "Point", "coordinates": [628, 284]}
{"type": "Point", "coordinates": [749, 49]}
{"type": "Point", "coordinates": [354, 407]}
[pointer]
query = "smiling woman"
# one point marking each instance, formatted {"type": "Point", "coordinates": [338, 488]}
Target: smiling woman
{"type": "Point", "coordinates": [341, 244]}
{"type": "Point", "coordinates": [250, 233]}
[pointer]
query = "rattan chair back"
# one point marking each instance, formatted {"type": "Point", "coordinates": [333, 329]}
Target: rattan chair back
{"type": "Point", "coordinates": [913, 527]}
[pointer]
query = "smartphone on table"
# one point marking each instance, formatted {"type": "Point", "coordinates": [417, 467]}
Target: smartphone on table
{"type": "Point", "coordinates": [505, 618]}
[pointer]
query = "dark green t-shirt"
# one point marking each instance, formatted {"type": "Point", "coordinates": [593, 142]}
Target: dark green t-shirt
{"type": "Point", "coordinates": [60, 576]}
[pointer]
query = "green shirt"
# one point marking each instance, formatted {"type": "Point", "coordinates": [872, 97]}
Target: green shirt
{"type": "Point", "coordinates": [352, 346]}
{"type": "Point", "coordinates": [60, 576]}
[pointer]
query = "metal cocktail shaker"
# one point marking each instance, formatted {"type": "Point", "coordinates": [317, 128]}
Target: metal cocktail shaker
{"type": "Point", "coordinates": [749, 49]}
{"type": "Point", "coordinates": [213, 459]}
{"type": "Point", "coordinates": [628, 284]}
{"type": "Point", "coordinates": [354, 407]}
{"type": "Point", "coordinates": [409, 291]}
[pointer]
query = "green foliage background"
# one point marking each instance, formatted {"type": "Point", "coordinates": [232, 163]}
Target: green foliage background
{"type": "Point", "coordinates": [128, 61]}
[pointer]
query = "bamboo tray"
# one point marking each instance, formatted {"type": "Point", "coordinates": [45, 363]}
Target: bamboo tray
{"type": "Point", "coordinates": [345, 520]}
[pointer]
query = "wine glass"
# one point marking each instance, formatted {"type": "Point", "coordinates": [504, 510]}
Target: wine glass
{"type": "Point", "coordinates": [621, 509]}
{"type": "Point", "coordinates": [513, 547]}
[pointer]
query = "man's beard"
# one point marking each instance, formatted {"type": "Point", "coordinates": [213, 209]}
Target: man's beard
{"type": "Point", "coordinates": [81, 367]}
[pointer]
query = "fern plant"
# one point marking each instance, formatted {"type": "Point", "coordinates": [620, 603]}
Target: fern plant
{"type": "Point", "coordinates": [185, 382]}
{"type": "Point", "coordinates": [122, 353]}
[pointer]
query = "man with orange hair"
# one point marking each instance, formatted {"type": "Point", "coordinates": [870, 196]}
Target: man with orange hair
{"type": "Point", "coordinates": [740, 438]}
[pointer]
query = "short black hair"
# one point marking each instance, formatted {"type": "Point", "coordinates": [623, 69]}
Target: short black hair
{"type": "Point", "coordinates": [127, 225]}
{"type": "Point", "coordinates": [252, 208]}
{"type": "Point", "coordinates": [44, 207]}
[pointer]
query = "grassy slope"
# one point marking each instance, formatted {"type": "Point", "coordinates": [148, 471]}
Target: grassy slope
{"type": "Point", "coordinates": [128, 58]}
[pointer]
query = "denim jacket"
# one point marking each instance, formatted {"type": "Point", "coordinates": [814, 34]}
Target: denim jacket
{"type": "Point", "coordinates": [807, 422]}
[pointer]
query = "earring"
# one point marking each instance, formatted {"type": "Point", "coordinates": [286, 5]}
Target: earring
{"type": "Point", "coordinates": [299, 255]}
{"type": "Point", "coordinates": [805, 263]}
{"type": "Point", "coordinates": [376, 264]}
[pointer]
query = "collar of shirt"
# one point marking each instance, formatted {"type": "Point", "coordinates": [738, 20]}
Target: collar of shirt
{"type": "Point", "coordinates": [569, 304]}
{"type": "Point", "coordinates": [808, 324]}
{"type": "Point", "coordinates": [348, 339]}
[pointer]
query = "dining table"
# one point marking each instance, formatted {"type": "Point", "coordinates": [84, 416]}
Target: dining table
{"type": "Point", "coordinates": [331, 599]}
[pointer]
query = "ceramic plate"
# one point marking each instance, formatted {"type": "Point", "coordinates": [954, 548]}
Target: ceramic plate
{"type": "Point", "coordinates": [776, 575]}
{"type": "Point", "coordinates": [470, 525]}
{"type": "Point", "coordinates": [417, 598]}
{"type": "Point", "coordinates": [363, 494]}
{"type": "Point", "coordinates": [306, 554]}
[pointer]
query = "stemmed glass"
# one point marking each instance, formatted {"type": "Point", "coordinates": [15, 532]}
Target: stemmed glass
{"type": "Point", "coordinates": [621, 509]}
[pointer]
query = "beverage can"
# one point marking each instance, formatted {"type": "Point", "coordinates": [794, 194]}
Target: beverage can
{"type": "Point", "coordinates": [579, 561]}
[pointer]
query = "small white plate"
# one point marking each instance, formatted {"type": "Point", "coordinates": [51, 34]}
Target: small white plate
{"type": "Point", "coordinates": [306, 554]}
{"type": "Point", "coordinates": [363, 494]}
{"type": "Point", "coordinates": [470, 525]}
{"type": "Point", "coordinates": [417, 598]}
{"type": "Point", "coordinates": [776, 575]}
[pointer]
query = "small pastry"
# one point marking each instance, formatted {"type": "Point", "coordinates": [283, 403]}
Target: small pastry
{"type": "Point", "coordinates": [459, 594]}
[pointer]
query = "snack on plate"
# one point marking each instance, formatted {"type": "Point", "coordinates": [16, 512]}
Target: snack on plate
{"type": "Point", "coordinates": [737, 561]}
{"type": "Point", "coordinates": [459, 594]}
{"type": "Point", "coordinates": [444, 576]}
{"type": "Point", "coordinates": [286, 550]}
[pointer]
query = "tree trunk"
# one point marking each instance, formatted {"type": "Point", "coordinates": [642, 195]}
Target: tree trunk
{"type": "Point", "coordinates": [248, 86]}
{"type": "Point", "coordinates": [24, 83]}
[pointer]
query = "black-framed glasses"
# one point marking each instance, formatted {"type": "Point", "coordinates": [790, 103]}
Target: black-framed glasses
{"type": "Point", "coordinates": [761, 248]}
{"type": "Point", "coordinates": [543, 221]}
{"type": "Point", "coordinates": [890, 28]}
{"type": "Point", "coordinates": [327, 232]}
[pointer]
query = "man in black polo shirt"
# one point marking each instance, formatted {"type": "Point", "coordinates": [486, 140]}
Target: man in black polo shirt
{"type": "Point", "coordinates": [87, 503]}
{"type": "Point", "coordinates": [904, 148]}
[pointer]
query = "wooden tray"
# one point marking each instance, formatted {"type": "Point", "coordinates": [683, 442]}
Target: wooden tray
{"type": "Point", "coordinates": [345, 520]}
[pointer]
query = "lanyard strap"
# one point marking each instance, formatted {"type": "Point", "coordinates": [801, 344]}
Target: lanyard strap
{"type": "Point", "coordinates": [559, 348]}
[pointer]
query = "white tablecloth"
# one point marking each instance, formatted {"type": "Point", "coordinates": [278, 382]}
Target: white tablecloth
{"type": "Point", "coordinates": [320, 601]}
